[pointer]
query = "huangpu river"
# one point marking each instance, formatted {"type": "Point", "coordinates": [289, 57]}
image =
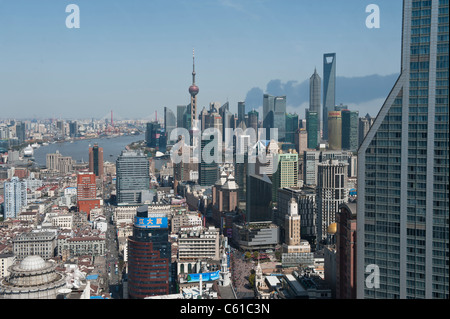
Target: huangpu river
{"type": "Point", "coordinates": [79, 150]}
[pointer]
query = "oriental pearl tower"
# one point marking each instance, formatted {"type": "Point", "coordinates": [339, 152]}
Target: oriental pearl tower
{"type": "Point", "coordinates": [193, 91]}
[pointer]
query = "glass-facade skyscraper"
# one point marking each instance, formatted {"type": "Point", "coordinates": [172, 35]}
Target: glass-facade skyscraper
{"type": "Point", "coordinates": [403, 169]}
{"type": "Point", "coordinates": [170, 123]}
{"type": "Point", "coordinates": [315, 88]}
{"type": "Point", "coordinates": [291, 127]}
{"type": "Point", "coordinates": [274, 115]}
{"type": "Point", "coordinates": [312, 125]}
{"type": "Point", "coordinates": [329, 89]}
{"type": "Point", "coordinates": [133, 177]}
{"type": "Point", "coordinates": [350, 121]}
{"type": "Point", "coordinates": [208, 169]}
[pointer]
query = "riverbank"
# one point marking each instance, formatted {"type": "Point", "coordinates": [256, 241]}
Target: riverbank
{"type": "Point", "coordinates": [78, 149]}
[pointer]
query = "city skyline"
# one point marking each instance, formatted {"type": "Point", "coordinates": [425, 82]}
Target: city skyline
{"type": "Point", "coordinates": [234, 200]}
{"type": "Point", "coordinates": [137, 57]}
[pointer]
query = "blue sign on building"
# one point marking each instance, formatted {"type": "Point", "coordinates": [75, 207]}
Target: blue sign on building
{"type": "Point", "coordinates": [206, 276]}
{"type": "Point", "coordinates": [150, 222]}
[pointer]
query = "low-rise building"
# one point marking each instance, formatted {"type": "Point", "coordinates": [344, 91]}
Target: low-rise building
{"type": "Point", "coordinates": [42, 243]}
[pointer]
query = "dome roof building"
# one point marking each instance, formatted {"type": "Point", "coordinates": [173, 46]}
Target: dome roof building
{"type": "Point", "coordinates": [32, 278]}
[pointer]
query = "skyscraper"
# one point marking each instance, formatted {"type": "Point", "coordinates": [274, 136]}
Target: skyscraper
{"type": "Point", "coordinates": [364, 124]}
{"type": "Point", "coordinates": [96, 160]}
{"type": "Point", "coordinates": [332, 178]}
{"type": "Point", "coordinates": [225, 114]}
{"type": "Point", "coordinates": [133, 177]}
{"type": "Point", "coordinates": [312, 125]}
{"type": "Point", "coordinates": [346, 251]}
{"type": "Point", "coordinates": [181, 110]}
{"type": "Point", "coordinates": [87, 192]}
{"type": "Point", "coordinates": [253, 116]}
{"type": "Point", "coordinates": [329, 89]}
{"type": "Point", "coordinates": [149, 252]}
{"type": "Point", "coordinates": [335, 130]}
{"type": "Point", "coordinates": [259, 198]}
{"type": "Point", "coordinates": [208, 172]}
{"type": "Point", "coordinates": [403, 169]}
{"type": "Point", "coordinates": [315, 87]}
{"type": "Point", "coordinates": [279, 119]}
{"type": "Point", "coordinates": [86, 186]}
{"type": "Point", "coordinates": [170, 123]}
{"type": "Point", "coordinates": [155, 136]}
{"type": "Point", "coordinates": [15, 197]}
{"type": "Point", "coordinates": [286, 174]}
{"type": "Point", "coordinates": [73, 129]}
{"type": "Point", "coordinates": [350, 130]}
{"type": "Point", "coordinates": [21, 132]}
{"type": "Point", "coordinates": [241, 112]}
{"type": "Point", "coordinates": [291, 127]}
{"type": "Point", "coordinates": [274, 113]}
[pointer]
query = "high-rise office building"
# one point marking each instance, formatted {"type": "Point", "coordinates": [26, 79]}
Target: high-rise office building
{"type": "Point", "coordinates": [181, 111]}
{"type": "Point", "coordinates": [226, 115]}
{"type": "Point", "coordinates": [274, 115]}
{"type": "Point", "coordinates": [133, 177]}
{"type": "Point", "coordinates": [202, 117]}
{"type": "Point", "coordinates": [334, 130]}
{"type": "Point", "coordinates": [87, 193]}
{"type": "Point", "coordinates": [155, 136]}
{"type": "Point", "coordinates": [241, 166]}
{"type": "Point", "coordinates": [86, 186]}
{"type": "Point", "coordinates": [350, 130]}
{"type": "Point", "coordinates": [364, 124]}
{"type": "Point", "coordinates": [346, 251]}
{"type": "Point", "coordinates": [329, 89]}
{"type": "Point", "coordinates": [313, 158]}
{"type": "Point", "coordinates": [241, 112]}
{"type": "Point", "coordinates": [279, 119]}
{"type": "Point", "coordinates": [287, 173]}
{"type": "Point", "coordinates": [403, 169]}
{"type": "Point", "coordinates": [170, 123]}
{"type": "Point", "coordinates": [208, 172]}
{"type": "Point", "coordinates": [301, 142]}
{"type": "Point", "coordinates": [259, 198]}
{"type": "Point", "coordinates": [96, 160]}
{"type": "Point", "coordinates": [332, 190]}
{"type": "Point", "coordinates": [312, 126]}
{"type": "Point", "coordinates": [291, 127]}
{"type": "Point", "coordinates": [306, 206]}
{"type": "Point", "coordinates": [21, 132]}
{"type": "Point", "coordinates": [268, 110]}
{"type": "Point", "coordinates": [60, 126]}
{"type": "Point", "coordinates": [73, 129]}
{"type": "Point", "coordinates": [149, 252]}
{"type": "Point", "coordinates": [315, 89]}
{"type": "Point", "coordinates": [15, 197]}
{"type": "Point", "coordinates": [253, 117]}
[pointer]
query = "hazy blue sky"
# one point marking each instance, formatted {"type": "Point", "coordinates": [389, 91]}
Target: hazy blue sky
{"type": "Point", "coordinates": [135, 57]}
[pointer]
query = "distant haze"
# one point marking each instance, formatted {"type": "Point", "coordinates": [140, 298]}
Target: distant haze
{"type": "Point", "coordinates": [364, 94]}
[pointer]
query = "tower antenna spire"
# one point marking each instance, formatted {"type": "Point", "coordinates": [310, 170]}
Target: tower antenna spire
{"type": "Point", "coordinates": [193, 66]}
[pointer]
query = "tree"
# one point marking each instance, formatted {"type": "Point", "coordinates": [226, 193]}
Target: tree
{"type": "Point", "coordinates": [251, 280]}
{"type": "Point", "coordinates": [255, 255]}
